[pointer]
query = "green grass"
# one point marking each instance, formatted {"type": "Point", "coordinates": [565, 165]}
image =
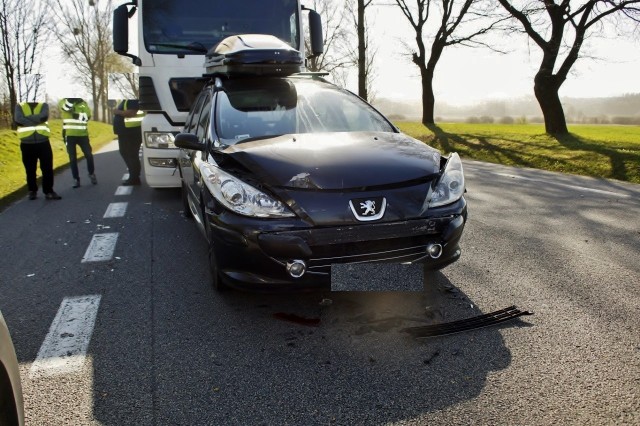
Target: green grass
{"type": "Point", "coordinates": [13, 182]}
{"type": "Point", "coordinates": [603, 151]}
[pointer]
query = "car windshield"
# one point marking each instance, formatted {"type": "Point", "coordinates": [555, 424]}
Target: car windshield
{"type": "Point", "coordinates": [256, 108]}
{"type": "Point", "coordinates": [172, 27]}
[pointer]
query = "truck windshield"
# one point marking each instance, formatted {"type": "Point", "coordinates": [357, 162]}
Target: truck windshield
{"type": "Point", "coordinates": [188, 27]}
{"type": "Point", "coordinates": [249, 109]}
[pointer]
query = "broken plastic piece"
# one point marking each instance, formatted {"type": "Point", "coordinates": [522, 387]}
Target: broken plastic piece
{"type": "Point", "coordinates": [480, 321]}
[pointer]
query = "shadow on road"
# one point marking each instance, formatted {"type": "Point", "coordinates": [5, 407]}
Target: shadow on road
{"type": "Point", "coordinates": [334, 358]}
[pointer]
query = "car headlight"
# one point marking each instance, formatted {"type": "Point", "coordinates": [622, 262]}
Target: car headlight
{"type": "Point", "coordinates": [239, 197]}
{"type": "Point", "coordinates": [450, 187]}
{"type": "Point", "coordinates": [159, 140]}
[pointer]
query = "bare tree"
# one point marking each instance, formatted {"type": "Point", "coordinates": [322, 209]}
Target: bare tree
{"type": "Point", "coordinates": [336, 37]}
{"type": "Point", "coordinates": [125, 84]}
{"type": "Point", "coordinates": [83, 29]}
{"type": "Point", "coordinates": [451, 17]}
{"type": "Point", "coordinates": [22, 33]}
{"type": "Point", "coordinates": [559, 29]}
{"type": "Point", "coordinates": [362, 55]}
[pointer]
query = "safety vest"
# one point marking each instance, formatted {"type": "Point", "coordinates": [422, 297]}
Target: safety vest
{"type": "Point", "coordinates": [75, 126]}
{"type": "Point", "coordinates": [26, 131]}
{"type": "Point", "coordinates": [135, 121]}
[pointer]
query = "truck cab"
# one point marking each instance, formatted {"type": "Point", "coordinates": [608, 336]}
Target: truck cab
{"type": "Point", "coordinates": [172, 39]}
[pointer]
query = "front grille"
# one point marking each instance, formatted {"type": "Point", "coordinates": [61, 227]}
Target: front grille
{"type": "Point", "coordinates": [391, 242]}
{"type": "Point", "coordinates": [370, 232]}
{"type": "Point", "coordinates": [148, 99]}
{"type": "Point", "coordinates": [392, 250]}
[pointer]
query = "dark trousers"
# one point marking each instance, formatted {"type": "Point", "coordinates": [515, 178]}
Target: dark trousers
{"type": "Point", "coordinates": [129, 148]}
{"type": "Point", "coordinates": [31, 154]}
{"type": "Point", "coordinates": [85, 146]}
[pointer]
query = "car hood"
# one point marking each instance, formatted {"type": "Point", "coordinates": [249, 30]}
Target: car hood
{"type": "Point", "coordinates": [337, 161]}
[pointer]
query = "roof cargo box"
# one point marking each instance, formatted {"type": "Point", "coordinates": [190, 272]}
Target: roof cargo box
{"type": "Point", "coordinates": [253, 54]}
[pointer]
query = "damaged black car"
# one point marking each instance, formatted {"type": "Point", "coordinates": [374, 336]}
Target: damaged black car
{"type": "Point", "coordinates": [289, 176]}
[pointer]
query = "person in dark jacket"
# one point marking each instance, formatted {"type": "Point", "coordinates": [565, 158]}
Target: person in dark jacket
{"type": "Point", "coordinates": [127, 122]}
{"type": "Point", "coordinates": [33, 131]}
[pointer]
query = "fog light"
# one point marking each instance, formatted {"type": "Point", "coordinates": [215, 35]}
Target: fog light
{"type": "Point", "coordinates": [163, 162]}
{"type": "Point", "coordinates": [296, 268]}
{"type": "Point", "coordinates": [434, 250]}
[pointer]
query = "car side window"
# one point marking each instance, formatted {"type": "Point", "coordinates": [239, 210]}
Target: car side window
{"type": "Point", "coordinates": [203, 121]}
{"type": "Point", "coordinates": [192, 119]}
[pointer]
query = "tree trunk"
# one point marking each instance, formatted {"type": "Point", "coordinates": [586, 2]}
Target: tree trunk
{"type": "Point", "coordinates": [428, 98]}
{"type": "Point", "coordinates": [362, 53]}
{"type": "Point", "coordinates": [546, 89]}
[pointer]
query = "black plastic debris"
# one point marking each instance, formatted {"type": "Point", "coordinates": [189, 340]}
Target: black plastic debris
{"type": "Point", "coordinates": [473, 323]}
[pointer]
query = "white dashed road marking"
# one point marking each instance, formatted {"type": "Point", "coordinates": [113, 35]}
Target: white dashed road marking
{"type": "Point", "coordinates": [101, 247]}
{"type": "Point", "coordinates": [116, 210]}
{"type": "Point", "coordinates": [65, 347]}
{"type": "Point", "coordinates": [124, 190]}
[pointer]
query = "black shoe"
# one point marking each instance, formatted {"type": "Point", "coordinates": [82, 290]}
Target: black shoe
{"type": "Point", "coordinates": [76, 183]}
{"type": "Point", "coordinates": [33, 195]}
{"type": "Point", "coordinates": [52, 196]}
{"type": "Point", "coordinates": [93, 178]}
{"type": "Point", "coordinates": [130, 182]}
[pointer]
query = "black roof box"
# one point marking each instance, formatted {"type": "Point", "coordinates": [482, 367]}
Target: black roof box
{"type": "Point", "coordinates": [253, 54]}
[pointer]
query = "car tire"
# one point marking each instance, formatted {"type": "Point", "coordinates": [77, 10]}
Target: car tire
{"type": "Point", "coordinates": [185, 203]}
{"type": "Point", "coordinates": [216, 279]}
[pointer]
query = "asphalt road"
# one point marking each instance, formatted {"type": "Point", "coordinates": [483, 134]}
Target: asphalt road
{"type": "Point", "coordinates": [162, 348]}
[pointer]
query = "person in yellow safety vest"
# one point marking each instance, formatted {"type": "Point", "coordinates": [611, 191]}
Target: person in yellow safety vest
{"type": "Point", "coordinates": [33, 132]}
{"type": "Point", "coordinates": [127, 122]}
{"type": "Point", "coordinates": [75, 132]}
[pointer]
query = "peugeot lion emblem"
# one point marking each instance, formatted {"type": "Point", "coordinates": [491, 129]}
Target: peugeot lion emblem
{"type": "Point", "coordinates": [366, 209]}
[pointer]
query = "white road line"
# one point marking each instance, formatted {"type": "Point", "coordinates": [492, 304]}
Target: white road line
{"type": "Point", "coordinates": [579, 188]}
{"type": "Point", "coordinates": [116, 210]}
{"type": "Point", "coordinates": [101, 247]}
{"type": "Point", "coordinates": [65, 347]}
{"type": "Point", "coordinates": [124, 190]}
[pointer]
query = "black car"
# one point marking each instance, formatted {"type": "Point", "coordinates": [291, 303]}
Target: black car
{"type": "Point", "coordinates": [289, 175]}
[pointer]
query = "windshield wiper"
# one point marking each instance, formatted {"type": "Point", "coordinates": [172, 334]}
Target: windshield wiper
{"type": "Point", "coordinates": [196, 46]}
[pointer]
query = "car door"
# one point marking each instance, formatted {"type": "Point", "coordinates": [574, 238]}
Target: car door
{"type": "Point", "coordinates": [200, 129]}
{"type": "Point", "coordinates": [188, 157]}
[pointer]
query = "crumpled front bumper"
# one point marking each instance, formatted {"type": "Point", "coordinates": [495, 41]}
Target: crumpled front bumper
{"type": "Point", "coordinates": [256, 258]}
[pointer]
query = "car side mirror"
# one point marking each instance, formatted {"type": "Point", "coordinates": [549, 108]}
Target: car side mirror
{"type": "Point", "coordinates": [188, 141]}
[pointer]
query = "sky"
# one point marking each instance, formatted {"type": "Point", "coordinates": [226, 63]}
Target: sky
{"type": "Point", "coordinates": [464, 76]}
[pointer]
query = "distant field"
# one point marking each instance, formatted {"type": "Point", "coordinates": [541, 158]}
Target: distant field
{"type": "Point", "coordinates": [13, 182]}
{"type": "Point", "coordinates": [606, 151]}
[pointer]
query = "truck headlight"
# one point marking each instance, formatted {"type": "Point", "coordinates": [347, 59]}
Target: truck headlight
{"type": "Point", "coordinates": [159, 140]}
{"type": "Point", "coordinates": [450, 187]}
{"type": "Point", "coordinates": [240, 197]}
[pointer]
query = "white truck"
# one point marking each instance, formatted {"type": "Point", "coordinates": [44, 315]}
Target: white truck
{"type": "Point", "coordinates": [173, 37]}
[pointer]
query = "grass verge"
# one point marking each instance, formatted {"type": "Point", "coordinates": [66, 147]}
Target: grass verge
{"type": "Point", "coordinates": [13, 182]}
{"type": "Point", "coordinates": [611, 152]}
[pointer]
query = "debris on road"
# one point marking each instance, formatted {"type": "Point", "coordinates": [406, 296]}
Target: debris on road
{"type": "Point", "coordinates": [473, 323]}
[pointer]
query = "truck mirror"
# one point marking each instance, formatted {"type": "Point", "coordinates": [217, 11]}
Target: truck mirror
{"type": "Point", "coordinates": [121, 17]}
{"type": "Point", "coordinates": [315, 33]}
{"type": "Point", "coordinates": [121, 29]}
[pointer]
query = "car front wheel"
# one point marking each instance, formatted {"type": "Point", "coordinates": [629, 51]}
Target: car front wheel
{"type": "Point", "coordinates": [185, 202]}
{"type": "Point", "coordinates": [216, 279]}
